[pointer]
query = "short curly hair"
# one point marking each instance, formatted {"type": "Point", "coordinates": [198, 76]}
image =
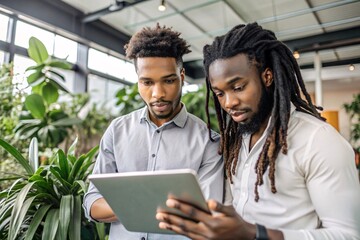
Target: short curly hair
{"type": "Point", "coordinates": [157, 42]}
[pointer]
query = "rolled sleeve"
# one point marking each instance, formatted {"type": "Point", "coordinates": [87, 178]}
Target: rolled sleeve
{"type": "Point", "coordinates": [105, 163]}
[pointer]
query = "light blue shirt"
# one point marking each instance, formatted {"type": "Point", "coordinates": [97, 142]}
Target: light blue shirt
{"type": "Point", "coordinates": [134, 143]}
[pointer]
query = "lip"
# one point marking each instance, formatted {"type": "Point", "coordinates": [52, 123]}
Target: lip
{"type": "Point", "coordinates": [160, 106]}
{"type": "Point", "coordinates": [238, 116]}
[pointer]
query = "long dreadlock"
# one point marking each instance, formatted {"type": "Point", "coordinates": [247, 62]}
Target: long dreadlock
{"type": "Point", "coordinates": [263, 49]}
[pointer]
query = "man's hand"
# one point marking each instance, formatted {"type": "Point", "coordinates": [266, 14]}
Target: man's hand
{"type": "Point", "coordinates": [225, 223]}
{"type": "Point", "coordinates": [101, 211]}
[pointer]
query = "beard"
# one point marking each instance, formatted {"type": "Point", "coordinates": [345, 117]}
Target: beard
{"type": "Point", "coordinates": [264, 109]}
{"type": "Point", "coordinates": [167, 114]}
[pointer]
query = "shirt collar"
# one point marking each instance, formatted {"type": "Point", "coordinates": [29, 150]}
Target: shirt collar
{"type": "Point", "coordinates": [179, 120]}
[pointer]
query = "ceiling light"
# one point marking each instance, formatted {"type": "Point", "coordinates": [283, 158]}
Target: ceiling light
{"type": "Point", "coordinates": [351, 67]}
{"type": "Point", "coordinates": [162, 6]}
{"type": "Point", "coordinates": [296, 54]}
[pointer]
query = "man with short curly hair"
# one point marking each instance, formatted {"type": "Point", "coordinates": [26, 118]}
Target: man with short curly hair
{"type": "Point", "coordinates": [162, 135]}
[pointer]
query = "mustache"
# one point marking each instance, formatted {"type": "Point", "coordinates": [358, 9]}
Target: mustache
{"type": "Point", "coordinates": [243, 110]}
{"type": "Point", "coordinates": [160, 102]}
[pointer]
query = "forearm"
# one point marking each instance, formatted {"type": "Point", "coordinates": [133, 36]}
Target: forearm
{"type": "Point", "coordinates": [101, 211]}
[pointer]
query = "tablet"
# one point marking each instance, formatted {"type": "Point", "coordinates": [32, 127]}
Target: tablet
{"type": "Point", "coordinates": [135, 196]}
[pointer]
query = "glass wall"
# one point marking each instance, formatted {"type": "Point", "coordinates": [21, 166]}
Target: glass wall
{"type": "Point", "coordinates": [4, 22]}
{"type": "Point", "coordinates": [99, 64]}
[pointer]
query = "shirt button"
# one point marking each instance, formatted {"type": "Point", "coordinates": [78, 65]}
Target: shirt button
{"type": "Point", "coordinates": [142, 238]}
{"type": "Point", "coordinates": [246, 165]}
{"type": "Point", "coordinates": [153, 155]}
{"type": "Point", "coordinates": [158, 131]}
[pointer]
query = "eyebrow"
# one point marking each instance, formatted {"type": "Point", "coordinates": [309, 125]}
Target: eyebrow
{"type": "Point", "coordinates": [163, 77]}
{"type": "Point", "coordinates": [231, 81]}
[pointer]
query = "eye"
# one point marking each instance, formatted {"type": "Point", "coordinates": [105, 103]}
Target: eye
{"type": "Point", "coordinates": [239, 88]}
{"type": "Point", "coordinates": [219, 94]}
{"type": "Point", "coordinates": [169, 81]}
{"type": "Point", "coordinates": [147, 83]}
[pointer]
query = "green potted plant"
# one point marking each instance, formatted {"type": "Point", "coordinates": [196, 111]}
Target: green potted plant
{"type": "Point", "coordinates": [45, 203]}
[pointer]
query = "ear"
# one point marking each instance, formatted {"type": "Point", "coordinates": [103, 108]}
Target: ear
{"type": "Point", "coordinates": [267, 77]}
{"type": "Point", "coordinates": [182, 76]}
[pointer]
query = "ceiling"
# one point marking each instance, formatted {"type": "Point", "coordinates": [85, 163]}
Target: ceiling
{"type": "Point", "coordinates": [331, 27]}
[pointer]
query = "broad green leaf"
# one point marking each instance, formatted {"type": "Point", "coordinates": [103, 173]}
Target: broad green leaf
{"type": "Point", "coordinates": [50, 93]}
{"type": "Point", "coordinates": [17, 155]}
{"type": "Point", "coordinates": [35, 104]}
{"type": "Point", "coordinates": [55, 76]}
{"type": "Point", "coordinates": [100, 229]}
{"type": "Point", "coordinates": [63, 163]}
{"type": "Point", "coordinates": [56, 172]}
{"type": "Point", "coordinates": [36, 67]}
{"type": "Point", "coordinates": [34, 77]}
{"type": "Point", "coordinates": [16, 211]}
{"type": "Point", "coordinates": [51, 224]}
{"type": "Point", "coordinates": [37, 50]}
{"type": "Point", "coordinates": [82, 186]}
{"type": "Point", "coordinates": [60, 64]}
{"type": "Point", "coordinates": [65, 213]}
{"type": "Point", "coordinates": [76, 168]}
{"type": "Point", "coordinates": [37, 219]}
{"type": "Point", "coordinates": [75, 222]}
{"type": "Point", "coordinates": [67, 122]}
{"type": "Point", "coordinates": [20, 220]}
{"type": "Point", "coordinates": [59, 85]}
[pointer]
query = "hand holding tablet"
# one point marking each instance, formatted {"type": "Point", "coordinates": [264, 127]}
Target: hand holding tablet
{"type": "Point", "coordinates": [135, 197]}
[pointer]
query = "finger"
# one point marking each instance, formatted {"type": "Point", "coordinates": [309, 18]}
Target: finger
{"type": "Point", "coordinates": [218, 207]}
{"type": "Point", "coordinates": [181, 230]}
{"type": "Point", "coordinates": [190, 211]}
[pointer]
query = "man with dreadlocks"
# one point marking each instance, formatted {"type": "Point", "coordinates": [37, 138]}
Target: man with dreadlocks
{"type": "Point", "coordinates": [162, 135]}
{"type": "Point", "coordinates": [292, 176]}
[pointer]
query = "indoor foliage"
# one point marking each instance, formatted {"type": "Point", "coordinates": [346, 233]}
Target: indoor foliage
{"type": "Point", "coordinates": [45, 203]}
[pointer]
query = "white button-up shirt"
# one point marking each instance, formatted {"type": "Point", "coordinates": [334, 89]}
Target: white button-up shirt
{"type": "Point", "coordinates": [318, 191]}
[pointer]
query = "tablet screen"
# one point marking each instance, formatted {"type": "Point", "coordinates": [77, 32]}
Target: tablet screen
{"type": "Point", "coordinates": [135, 196]}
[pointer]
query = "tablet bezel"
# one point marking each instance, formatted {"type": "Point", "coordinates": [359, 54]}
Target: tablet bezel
{"type": "Point", "coordinates": [135, 196]}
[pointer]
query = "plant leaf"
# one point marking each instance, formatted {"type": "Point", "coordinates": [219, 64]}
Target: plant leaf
{"type": "Point", "coordinates": [60, 64]}
{"type": "Point", "coordinates": [67, 122]}
{"type": "Point", "coordinates": [75, 223]}
{"type": "Point", "coordinates": [50, 93]}
{"type": "Point", "coordinates": [32, 78]}
{"type": "Point", "coordinates": [37, 50]}
{"type": "Point", "coordinates": [17, 155]}
{"type": "Point", "coordinates": [37, 219]}
{"type": "Point", "coordinates": [51, 224]}
{"type": "Point", "coordinates": [35, 104]}
{"type": "Point", "coordinates": [65, 213]}
{"type": "Point", "coordinates": [16, 213]}
{"type": "Point", "coordinates": [72, 148]}
{"type": "Point", "coordinates": [63, 163]}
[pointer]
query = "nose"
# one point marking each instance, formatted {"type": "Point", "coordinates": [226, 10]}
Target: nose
{"type": "Point", "coordinates": [158, 91]}
{"type": "Point", "coordinates": [231, 101]}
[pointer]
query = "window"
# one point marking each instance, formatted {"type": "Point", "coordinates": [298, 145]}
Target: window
{"type": "Point", "coordinates": [24, 31]}
{"type": "Point", "coordinates": [2, 56]}
{"type": "Point", "coordinates": [102, 91]}
{"type": "Point", "coordinates": [20, 65]}
{"type": "Point", "coordinates": [65, 48]}
{"type": "Point", "coordinates": [116, 67]}
{"type": "Point", "coordinates": [97, 60]}
{"type": "Point", "coordinates": [4, 22]}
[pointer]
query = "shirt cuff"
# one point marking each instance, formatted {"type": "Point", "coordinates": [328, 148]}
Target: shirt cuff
{"type": "Point", "coordinates": [88, 202]}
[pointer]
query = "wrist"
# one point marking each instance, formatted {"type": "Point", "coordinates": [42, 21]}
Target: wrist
{"type": "Point", "coordinates": [261, 232]}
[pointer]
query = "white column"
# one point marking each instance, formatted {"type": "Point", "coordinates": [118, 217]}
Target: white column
{"type": "Point", "coordinates": [318, 83]}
